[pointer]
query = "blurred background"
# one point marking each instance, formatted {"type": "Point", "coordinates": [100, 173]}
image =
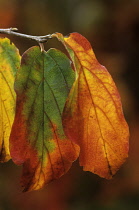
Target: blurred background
{"type": "Point", "coordinates": [112, 27]}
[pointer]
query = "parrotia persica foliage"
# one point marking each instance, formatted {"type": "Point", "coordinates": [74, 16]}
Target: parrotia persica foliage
{"type": "Point", "coordinates": [51, 114]}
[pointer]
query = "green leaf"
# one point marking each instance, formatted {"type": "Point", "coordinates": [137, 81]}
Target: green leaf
{"type": "Point", "coordinates": [9, 63]}
{"type": "Point", "coordinates": [37, 138]}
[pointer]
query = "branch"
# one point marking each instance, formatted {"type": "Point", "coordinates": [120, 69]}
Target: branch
{"type": "Point", "coordinates": [13, 31]}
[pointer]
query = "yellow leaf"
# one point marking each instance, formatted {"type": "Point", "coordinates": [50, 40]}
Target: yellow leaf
{"type": "Point", "coordinates": [9, 62]}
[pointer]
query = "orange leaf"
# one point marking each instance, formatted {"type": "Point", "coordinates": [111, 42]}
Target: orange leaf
{"type": "Point", "coordinates": [93, 116]}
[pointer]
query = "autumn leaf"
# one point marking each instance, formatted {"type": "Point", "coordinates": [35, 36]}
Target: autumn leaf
{"type": "Point", "coordinates": [37, 138]}
{"type": "Point", "coordinates": [93, 116]}
{"type": "Point", "coordinates": [9, 63]}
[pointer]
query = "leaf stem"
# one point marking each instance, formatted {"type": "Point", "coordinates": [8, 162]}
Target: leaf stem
{"type": "Point", "coordinates": [13, 31]}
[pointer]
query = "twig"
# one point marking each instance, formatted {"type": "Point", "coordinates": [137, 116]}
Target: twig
{"type": "Point", "coordinates": [13, 31]}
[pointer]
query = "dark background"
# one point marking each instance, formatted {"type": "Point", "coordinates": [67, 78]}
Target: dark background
{"type": "Point", "coordinates": [112, 27]}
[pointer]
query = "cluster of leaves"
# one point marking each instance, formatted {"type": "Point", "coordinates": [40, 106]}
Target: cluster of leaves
{"type": "Point", "coordinates": [51, 114]}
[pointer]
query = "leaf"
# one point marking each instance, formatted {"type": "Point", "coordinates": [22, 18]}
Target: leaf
{"type": "Point", "coordinates": [93, 116]}
{"type": "Point", "coordinates": [9, 63]}
{"type": "Point", "coordinates": [37, 138]}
